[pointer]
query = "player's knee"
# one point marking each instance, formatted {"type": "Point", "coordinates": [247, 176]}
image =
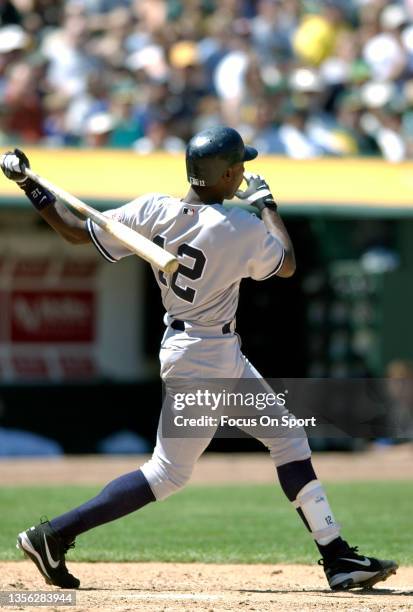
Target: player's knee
{"type": "Point", "coordinates": [286, 450]}
{"type": "Point", "coordinates": [164, 478]}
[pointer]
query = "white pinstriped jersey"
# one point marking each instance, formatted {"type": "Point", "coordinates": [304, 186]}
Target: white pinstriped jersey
{"type": "Point", "coordinates": [216, 248]}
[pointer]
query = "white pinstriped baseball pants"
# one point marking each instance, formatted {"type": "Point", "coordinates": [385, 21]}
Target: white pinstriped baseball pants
{"type": "Point", "coordinates": [206, 354]}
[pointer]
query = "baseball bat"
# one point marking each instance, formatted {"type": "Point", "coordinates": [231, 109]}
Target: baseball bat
{"type": "Point", "coordinates": [131, 239]}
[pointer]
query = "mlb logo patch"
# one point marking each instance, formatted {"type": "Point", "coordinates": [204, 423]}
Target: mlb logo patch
{"type": "Point", "coordinates": [189, 211]}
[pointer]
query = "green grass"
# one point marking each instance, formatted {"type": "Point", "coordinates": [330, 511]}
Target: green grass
{"type": "Point", "coordinates": [227, 524]}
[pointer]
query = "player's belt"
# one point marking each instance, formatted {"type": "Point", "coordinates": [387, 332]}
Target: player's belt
{"type": "Point", "coordinates": [180, 326]}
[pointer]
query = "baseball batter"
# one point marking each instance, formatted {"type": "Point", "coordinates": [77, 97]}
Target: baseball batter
{"type": "Point", "coordinates": [216, 249]}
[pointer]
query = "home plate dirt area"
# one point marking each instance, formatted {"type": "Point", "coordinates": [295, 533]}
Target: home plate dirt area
{"type": "Point", "coordinates": [195, 587]}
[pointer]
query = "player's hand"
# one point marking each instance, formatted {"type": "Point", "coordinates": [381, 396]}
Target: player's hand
{"type": "Point", "coordinates": [257, 193]}
{"type": "Point", "coordinates": [13, 164]}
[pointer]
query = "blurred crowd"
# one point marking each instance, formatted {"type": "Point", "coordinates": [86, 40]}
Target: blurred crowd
{"type": "Point", "coordinates": [298, 78]}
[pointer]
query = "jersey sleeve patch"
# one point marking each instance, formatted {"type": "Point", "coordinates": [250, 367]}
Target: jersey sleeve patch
{"type": "Point", "coordinates": [100, 248]}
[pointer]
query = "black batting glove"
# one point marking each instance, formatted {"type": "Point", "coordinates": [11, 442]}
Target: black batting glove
{"type": "Point", "coordinates": [13, 164]}
{"type": "Point", "coordinates": [257, 193]}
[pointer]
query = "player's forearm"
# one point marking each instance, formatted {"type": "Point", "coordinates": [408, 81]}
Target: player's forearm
{"type": "Point", "coordinates": [15, 166]}
{"type": "Point", "coordinates": [65, 223]}
{"type": "Point", "coordinates": [276, 227]}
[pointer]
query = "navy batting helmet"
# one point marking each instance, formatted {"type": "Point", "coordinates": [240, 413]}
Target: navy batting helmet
{"type": "Point", "coordinates": [211, 152]}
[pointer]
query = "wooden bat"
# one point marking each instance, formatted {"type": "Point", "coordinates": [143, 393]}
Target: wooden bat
{"type": "Point", "coordinates": [132, 240]}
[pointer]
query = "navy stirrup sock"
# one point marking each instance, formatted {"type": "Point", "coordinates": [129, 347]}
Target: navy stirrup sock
{"type": "Point", "coordinates": [120, 497]}
{"type": "Point", "coordinates": [294, 476]}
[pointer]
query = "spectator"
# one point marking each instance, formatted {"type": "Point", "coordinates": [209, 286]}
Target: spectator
{"type": "Point", "coordinates": [384, 52]}
{"type": "Point", "coordinates": [13, 43]}
{"type": "Point", "coordinates": [39, 15]}
{"type": "Point", "coordinates": [316, 36]}
{"type": "Point", "coordinates": [230, 79]}
{"type": "Point", "coordinates": [158, 139]}
{"type": "Point", "coordinates": [126, 129]}
{"type": "Point", "coordinates": [93, 100]}
{"type": "Point", "coordinates": [98, 130]}
{"type": "Point", "coordinates": [69, 62]}
{"type": "Point", "coordinates": [344, 71]}
{"type": "Point", "coordinates": [21, 96]}
{"type": "Point", "coordinates": [272, 30]}
{"type": "Point", "coordinates": [265, 137]}
{"type": "Point", "coordinates": [294, 136]}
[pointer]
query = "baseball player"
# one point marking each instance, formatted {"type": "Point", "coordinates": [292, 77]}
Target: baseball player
{"type": "Point", "coordinates": [216, 249]}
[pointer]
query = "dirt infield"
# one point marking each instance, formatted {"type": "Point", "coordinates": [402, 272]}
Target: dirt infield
{"type": "Point", "coordinates": [386, 463]}
{"type": "Point", "coordinates": [156, 587]}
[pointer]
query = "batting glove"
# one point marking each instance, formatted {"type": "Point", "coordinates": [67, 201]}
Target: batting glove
{"type": "Point", "coordinates": [257, 193]}
{"type": "Point", "coordinates": [13, 164]}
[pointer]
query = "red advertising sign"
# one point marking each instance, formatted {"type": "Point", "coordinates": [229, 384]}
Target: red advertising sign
{"type": "Point", "coordinates": [31, 267]}
{"type": "Point", "coordinates": [77, 367]}
{"type": "Point", "coordinates": [52, 316]}
{"type": "Point", "coordinates": [79, 269]}
{"type": "Point", "coordinates": [58, 320]}
{"type": "Point", "coordinates": [28, 367]}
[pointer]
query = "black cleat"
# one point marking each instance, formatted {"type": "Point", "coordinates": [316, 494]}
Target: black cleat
{"type": "Point", "coordinates": [352, 571]}
{"type": "Point", "coordinates": [47, 550]}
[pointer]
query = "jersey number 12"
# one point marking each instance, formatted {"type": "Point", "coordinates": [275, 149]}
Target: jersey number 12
{"type": "Point", "coordinates": [187, 293]}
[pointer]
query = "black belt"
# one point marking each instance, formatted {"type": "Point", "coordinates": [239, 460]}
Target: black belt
{"type": "Point", "coordinates": [180, 326]}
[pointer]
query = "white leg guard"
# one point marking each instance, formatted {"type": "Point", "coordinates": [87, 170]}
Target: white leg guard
{"type": "Point", "coordinates": [313, 502]}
